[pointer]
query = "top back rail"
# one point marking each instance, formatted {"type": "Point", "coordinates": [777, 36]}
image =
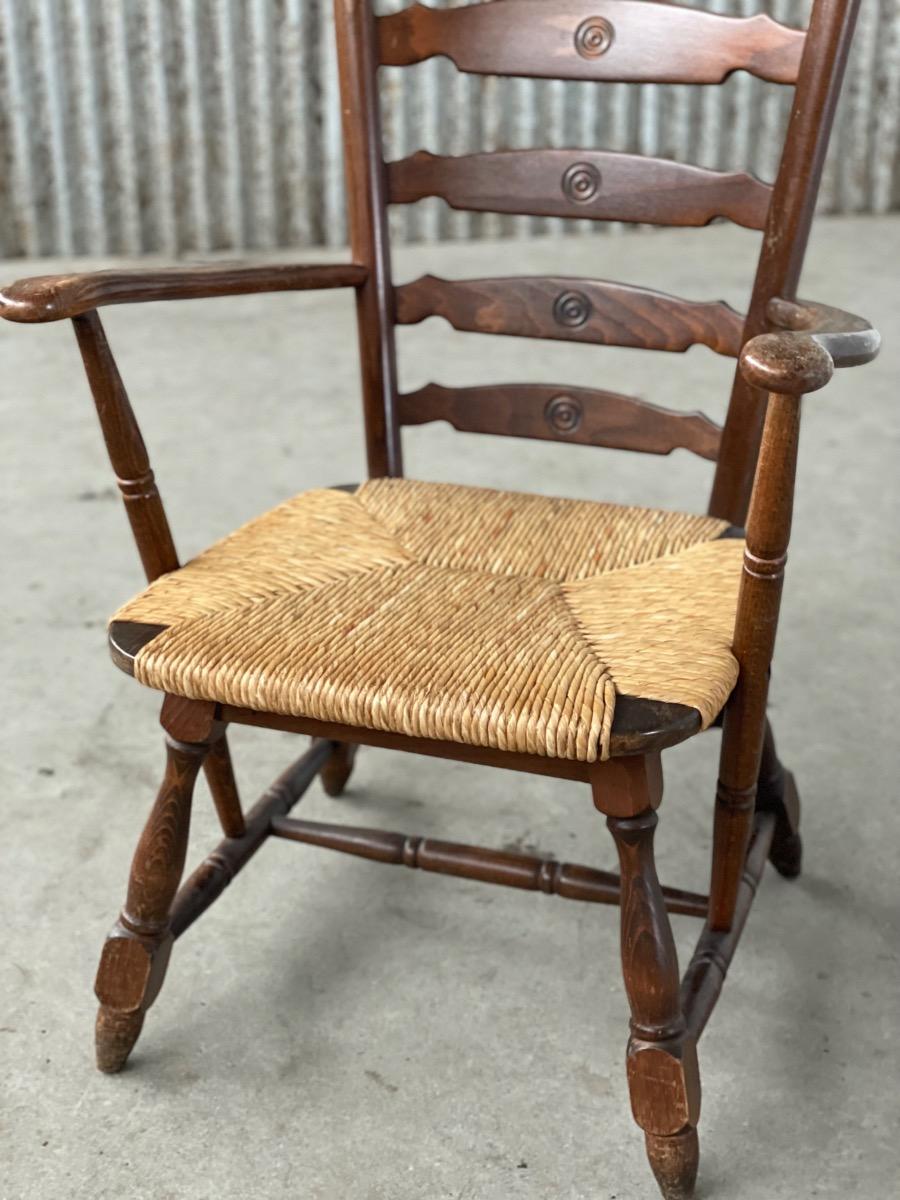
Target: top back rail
{"type": "Point", "coordinates": [640, 41]}
{"type": "Point", "coordinates": [617, 41]}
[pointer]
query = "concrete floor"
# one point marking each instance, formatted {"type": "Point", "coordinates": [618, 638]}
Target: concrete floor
{"type": "Point", "coordinates": [337, 1029]}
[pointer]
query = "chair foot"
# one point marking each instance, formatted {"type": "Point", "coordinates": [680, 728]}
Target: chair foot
{"type": "Point", "coordinates": [114, 1037]}
{"type": "Point", "coordinates": [777, 793]}
{"type": "Point", "coordinates": [338, 767]}
{"type": "Point", "coordinates": [675, 1160]}
{"type": "Point", "coordinates": [136, 952]}
{"type": "Point", "coordinates": [786, 855]}
{"type": "Point", "coordinates": [661, 1060]}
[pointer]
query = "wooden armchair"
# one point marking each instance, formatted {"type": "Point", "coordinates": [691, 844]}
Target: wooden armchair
{"type": "Point", "coordinates": [566, 638]}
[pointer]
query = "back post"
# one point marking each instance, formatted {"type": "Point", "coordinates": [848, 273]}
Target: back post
{"type": "Point", "coordinates": [366, 207]}
{"type": "Point", "coordinates": [785, 238]}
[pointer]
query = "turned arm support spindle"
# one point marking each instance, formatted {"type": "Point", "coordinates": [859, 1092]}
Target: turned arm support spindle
{"type": "Point", "coordinates": [77, 296]}
{"type": "Point", "coordinates": [125, 447]}
{"type": "Point", "coordinates": [786, 364]}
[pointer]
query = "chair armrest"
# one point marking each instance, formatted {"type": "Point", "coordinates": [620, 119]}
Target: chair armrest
{"type": "Point", "coordinates": [812, 340]}
{"type": "Point", "coordinates": [54, 297]}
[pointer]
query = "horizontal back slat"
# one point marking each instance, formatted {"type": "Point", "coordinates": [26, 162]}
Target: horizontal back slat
{"type": "Point", "coordinates": [565, 414]}
{"type": "Point", "coordinates": [572, 309]}
{"type": "Point", "coordinates": [597, 184]}
{"type": "Point", "coordinates": [615, 40]}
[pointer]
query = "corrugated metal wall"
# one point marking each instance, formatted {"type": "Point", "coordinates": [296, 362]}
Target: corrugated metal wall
{"type": "Point", "coordinates": [130, 126]}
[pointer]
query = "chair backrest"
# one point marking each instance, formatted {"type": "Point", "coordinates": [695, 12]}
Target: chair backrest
{"type": "Point", "coordinates": [649, 41]}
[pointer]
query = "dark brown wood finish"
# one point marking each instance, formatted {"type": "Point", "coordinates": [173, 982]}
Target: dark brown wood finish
{"type": "Point", "coordinates": [787, 347]}
{"type": "Point", "coordinates": [339, 767]}
{"type": "Point", "coordinates": [620, 41]}
{"type": "Point", "coordinates": [786, 234]}
{"type": "Point", "coordinates": [125, 447]}
{"type": "Point", "coordinates": [709, 964]}
{"type": "Point", "coordinates": [223, 787]}
{"type": "Point", "coordinates": [787, 365]}
{"type": "Point", "coordinates": [573, 309]}
{"type": "Point", "coordinates": [776, 794]}
{"type": "Point", "coordinates": [366, 200]}
{"type": "Point", "coordinates": [565, 414]}
{"type": "Point", "coordinates": [126, 638]}
{"type": "Point", "coordinates": [596, 184]}
{"type": "Point", "coordinates": [219, 868]}
{"type": "Point", "coordinates": [53, 297]}
{"type": "Point", "coordinates": [502, 867]}
{"type": "Point", "coordinates": [663, 1076]}
{"type": "Point", "coordinates": [849, 340]}
{"type": "Point", "coordinates": [768, 534]}
{"type": "Point", "coordinates": [143, 505]}
{"type": "Point", "coordinates": [136, 953]}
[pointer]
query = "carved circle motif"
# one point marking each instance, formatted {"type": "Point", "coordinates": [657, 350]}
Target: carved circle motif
{"type": "Point", "coordinates": [563, 414]}
{"type": "Point", "coordinates": [581, 182]}
{"type": "Point", "coordinates": [593, 37]}
{"type": "Point", "coordinates": [571, 309]}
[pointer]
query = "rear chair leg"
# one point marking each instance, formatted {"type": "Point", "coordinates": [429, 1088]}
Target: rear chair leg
{"type": "Point", "coordinates": [136, 953]}
{"type": "Point", "coordinates": [338, 767]}
{"type": "Point", "coordinates": [663, 1076]}
{"type": "Point", "coordinates": [776, 792]}
{"type": "Point", "coordinates": [223, 787]}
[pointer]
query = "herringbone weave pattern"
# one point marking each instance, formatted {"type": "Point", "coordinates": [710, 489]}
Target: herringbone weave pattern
{"type": "Point", "coordinates": [434, 610]}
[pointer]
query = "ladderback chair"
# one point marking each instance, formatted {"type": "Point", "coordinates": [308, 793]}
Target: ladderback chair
{"type": "Point", "coordinates": [568, 638]}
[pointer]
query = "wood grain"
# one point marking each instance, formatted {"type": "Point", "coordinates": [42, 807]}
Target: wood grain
{"type": "Point", "coordinates": [223, 788]}
{"type": "Point", "coordinates": [572, 309]}
{"type": "Point", "coordinates": [337, 770]}
{"type": "Point", "coordinates": [210, 879]}
{"type": "Point", "coordinates": [663, 1076]}
{"type": "Point", "coordinates": [785, 237]}
{"type": "Point", "coordinates": [621, 41]}
{"type": "Point", "coordinates": [136, 952]}
{"type": "Point", "coordinates": [584, 416]}
{"type": "Point", "coordinates": [702, 981]}
{"type": "Point", "coordinates": [53, 297]}
{"type": "Point", "coordinates": [787, 363]}
{"type": "Point", "coordinates": [756, 621]}
{"type": "Point", "coordinates": [369, 243]}
{"type": "Point", "coordinates": [502, 867]}
{"type": "Point", "coordinates": [125, 447]}
{"type": "Point", "coordinates": [849, 340]}
{"type": "Point", "coordinates": [625, 40]}
{"type": "Point", "coordinates": [596, 184]}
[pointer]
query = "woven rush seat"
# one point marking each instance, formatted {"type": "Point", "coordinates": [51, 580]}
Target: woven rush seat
{"type": "Point", "coordinates": [491, 618]}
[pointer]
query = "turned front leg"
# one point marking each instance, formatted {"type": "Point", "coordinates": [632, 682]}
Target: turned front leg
{"type": "Point", "coordinates": [663, 1077]}
{"type": "Point", "coordinates": [136, 952]}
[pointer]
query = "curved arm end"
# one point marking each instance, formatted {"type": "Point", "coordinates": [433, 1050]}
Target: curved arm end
{"type": "Point", "coordinates": [811, 340]}
{"type": "Point", "coordinates": [790, 364]}
{"type": "Point", "coordinates": [33, 300]}
{"type": "Point", "coordinates": [52, 297]}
